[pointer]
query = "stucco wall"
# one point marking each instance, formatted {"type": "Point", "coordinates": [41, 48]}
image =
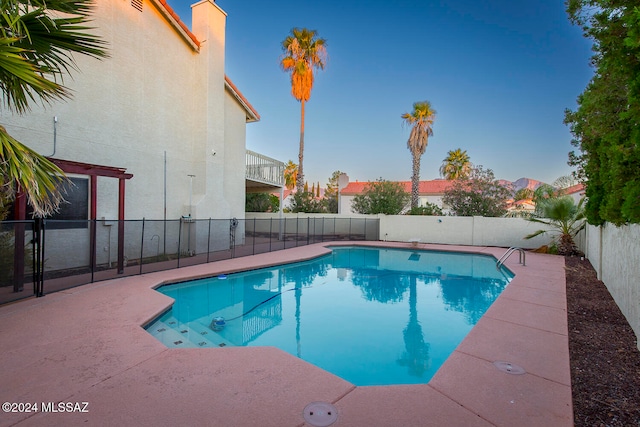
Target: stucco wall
{"type": "Point", "coordinates": [614, 253]}
{"type": "Point", "coordinates": [477, 231]}
{"type": "Point", "coordinates": [234, 164]}
{"type": "Point", "coordinates": [155, 94]}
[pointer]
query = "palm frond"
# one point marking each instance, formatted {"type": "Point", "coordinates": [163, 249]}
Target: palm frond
{"type": "Point", "coordinates": [21, 168]}
{"type": "Point", "coordinates": [534, 234]}
{"type": "Point", "coordinates": [303, 53]}
{"type": "Point", "coordinates": [37, 48]}
{"type": "Point", "coordinates": [21, 81]}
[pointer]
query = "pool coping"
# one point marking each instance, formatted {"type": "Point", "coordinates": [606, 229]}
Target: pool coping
{"type": "Point", "coordinates": [86, 344]}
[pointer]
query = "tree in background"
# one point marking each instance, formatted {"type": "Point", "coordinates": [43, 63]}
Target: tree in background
{"type": "Point", "coordinates": [303, 53]}
{"type": "Point", "coordinates": [290, 175]}
{"type": "Point", "coordinates": [331, 193]}
{"type": "Point", "coordinates": [421, 120]}
{"type": "Point", "coordinates": [427, 209]}
{"type": "Point", "coordinates": [37, 42]}
{"type": "Point", "coordinates": [523, 194]}
{"type": "Point", "coordinates": [605, 124]}
{"type": "Point", "coordinates": [456, 165]}
{"type": "Point", "coordinates": [306, 201]}
{"type": "Point", "coordinates": [479, 194]}
{"type": "Point", "coordinates": [261, 202]}
{"type": "Point", "coordinates": [381, 197]}
{"type": "Point", "coordinates": [565, 181]}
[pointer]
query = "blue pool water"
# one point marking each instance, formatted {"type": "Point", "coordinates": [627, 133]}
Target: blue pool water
{"type": "Point", "coordinates": [373, 316]}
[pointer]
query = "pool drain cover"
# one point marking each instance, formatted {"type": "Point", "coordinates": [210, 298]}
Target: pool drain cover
{"type": "Point", "coordinates": [320, 414]}
{"type": "Point", "coordinates": [509, 368]}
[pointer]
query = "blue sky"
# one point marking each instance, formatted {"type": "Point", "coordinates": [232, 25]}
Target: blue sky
{"type": "Point", "coordinates": [499, 74]}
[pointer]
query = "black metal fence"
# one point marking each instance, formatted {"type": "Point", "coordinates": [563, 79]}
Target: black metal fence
{"type": "Point", "coordinates": [44, 256]}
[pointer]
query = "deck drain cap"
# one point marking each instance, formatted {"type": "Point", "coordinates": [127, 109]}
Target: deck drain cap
{"type": "Point", "coordinates": [509, 368]}
{"type": "Point", "coordinates": [320, 414]}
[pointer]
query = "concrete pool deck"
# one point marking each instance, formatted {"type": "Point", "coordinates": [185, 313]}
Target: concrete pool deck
{"type": "Point", "coordinates": [86, 344]}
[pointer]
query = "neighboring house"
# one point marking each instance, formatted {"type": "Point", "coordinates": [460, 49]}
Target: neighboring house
{"type": "Point", "coordinates": [520, 207]}
{"type": "Point", "coordinates": [157, 130]}
{"type": "Point", "coordinates": [527, 206]}
{"type": "Point", "coordinates": [287, 199]}
{"type": "Point", "coordinates": [576, 191]}
{"type": "Point", "coordinates": [429, 191]}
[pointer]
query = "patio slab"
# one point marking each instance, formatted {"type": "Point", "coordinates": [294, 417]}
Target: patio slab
{"type": "Point", "coordinates": [503, 399]}
{"type": "Point", "coordinates": [86, 344]}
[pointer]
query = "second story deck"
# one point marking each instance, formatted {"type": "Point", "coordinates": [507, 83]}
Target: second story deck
{"type": "Point", "coordinates": [263, 173]}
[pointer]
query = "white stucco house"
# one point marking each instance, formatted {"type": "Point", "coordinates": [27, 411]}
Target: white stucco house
{"type": "Point", "coordinates": [429, 191]}
{"type": "Point", "coordinates": [159, 115]}
{"type": "Point", "coordinates": [154, 131]}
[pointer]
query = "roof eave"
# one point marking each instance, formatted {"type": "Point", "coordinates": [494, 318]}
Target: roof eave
{"type": "Point", "coordinates": [252, 114]}
{"type": "Point", "coordinates": [177, 24]}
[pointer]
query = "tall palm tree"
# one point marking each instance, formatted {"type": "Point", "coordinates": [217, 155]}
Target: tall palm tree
{"type": "Point", "coordinates": [38, 39]}
{"type": "Point", "coordinates": [456, 164]}
{"type": "Point", "coordinates": [421, 121]}
{"type": "Point", "coordinates": [290, 174]}
{"type": "Point", "coordinates": [303, 53]}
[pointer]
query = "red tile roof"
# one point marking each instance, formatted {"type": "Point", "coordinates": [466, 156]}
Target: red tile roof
{"type": "Point", "coordinates": [242, 100]}
{"type": "Point", "coordinates": [578, 188]}
{"type": "Point", "coordinates": [436, 186]}
{"type": "Point", "coordinates": [182, 25]}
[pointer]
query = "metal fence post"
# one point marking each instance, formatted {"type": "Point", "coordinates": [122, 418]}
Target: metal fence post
{"type": "Point", "coordinates": [37, 257]}
{"type": "Point", "coordinates": [179, 239]}
{"type": "Point", "coordinates": [141, 245]}
{"type": "Point", "coordinates": [92, 247]}
{"type": "Point", "coordinates": [209, 240]}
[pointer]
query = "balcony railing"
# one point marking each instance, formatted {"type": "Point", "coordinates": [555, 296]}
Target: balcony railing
{"type": "Point", "coordinates": [264, 170]}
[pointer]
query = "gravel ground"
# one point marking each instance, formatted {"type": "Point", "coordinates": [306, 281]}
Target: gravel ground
{"type": "Point", "coordinates": [605, 361]}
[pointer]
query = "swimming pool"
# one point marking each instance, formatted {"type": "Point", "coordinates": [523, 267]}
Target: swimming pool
{"type": "Point", "coordinates": [373, 316]}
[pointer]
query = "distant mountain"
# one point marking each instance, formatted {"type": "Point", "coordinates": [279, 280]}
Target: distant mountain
{"type": "Point", "coordinates": [526, 183]}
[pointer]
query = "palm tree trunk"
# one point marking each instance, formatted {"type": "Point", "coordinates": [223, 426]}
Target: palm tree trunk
{"type": "Point", "coordinates": [300, 179]}
{"type": "Point", "coordinates": [415, 180]}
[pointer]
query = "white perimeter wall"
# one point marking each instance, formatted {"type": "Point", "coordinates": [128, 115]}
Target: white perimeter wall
{"type": "Point", "coordinates": [474, 231]}
{"type": "Point", "coordinates": [614, 252]}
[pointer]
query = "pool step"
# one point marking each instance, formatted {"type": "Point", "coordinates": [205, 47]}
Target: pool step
{"type": "Point", "coordinates": [174, 334]}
